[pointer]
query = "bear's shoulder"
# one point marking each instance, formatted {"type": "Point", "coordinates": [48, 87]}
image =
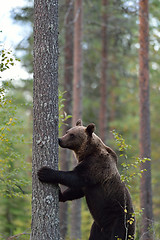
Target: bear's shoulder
{"type": "Point", "coordinates": [102, 149]}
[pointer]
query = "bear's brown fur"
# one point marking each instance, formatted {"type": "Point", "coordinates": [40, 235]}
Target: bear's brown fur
{"type": "Point", "coordinates": [97, 178]}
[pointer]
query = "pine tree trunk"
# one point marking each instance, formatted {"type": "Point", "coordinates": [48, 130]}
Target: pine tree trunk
{"type": "Point", "coordinates": [103, 81]}
{"type": "Point", "coordinates": [77, 58]}
{"type": "Point", "coordinates": [68, 76]}
{"type": "Point", "coordinates": [145, 148]}
{"type": "Point", "coordinates": [77, 104]}
{"type": "Point", "coordinates": [45, 223]}
{"type": "Point", "coordinates": [113, 97]}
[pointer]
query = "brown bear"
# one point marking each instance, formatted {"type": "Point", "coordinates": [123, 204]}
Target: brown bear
{"type": "Point", "coordinates": [97, 178]}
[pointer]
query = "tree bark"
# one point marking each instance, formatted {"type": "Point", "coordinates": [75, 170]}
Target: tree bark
{"type": "Point", "coordinates": [103, 80]}
{"type": "Point", "coordinates": [68, 77]}
{"type": "Point", "coordinates": [145, 148]}
{"type": "Point", "coordinates": [77, 104]}
{"type": "Point", "coordinates": [77, 65]}
{"type": "Point", "coordinates": [45, 223]}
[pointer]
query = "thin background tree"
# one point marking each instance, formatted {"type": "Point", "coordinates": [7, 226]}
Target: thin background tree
{"type": "Point", "coordinates": [65, 154]}
{"type": "Point", "coordinates": [45, 223]}
{"type": "Point", "coordinates": [103, 80]}
{"type": "Point", "coordinates": [145, 145]}
{"type": "Point", "coordinates": [77, 103]}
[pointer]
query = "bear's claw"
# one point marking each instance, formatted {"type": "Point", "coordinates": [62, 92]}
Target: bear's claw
{"type": "Point", "coordinates": [45, 174]}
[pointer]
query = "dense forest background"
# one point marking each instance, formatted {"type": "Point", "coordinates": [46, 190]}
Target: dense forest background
{"type": "Point", "coordinates": [122, 104]}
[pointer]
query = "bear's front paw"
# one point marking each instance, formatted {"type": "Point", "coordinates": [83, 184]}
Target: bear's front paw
{"type": "Point", "coordinates": [46, 174]}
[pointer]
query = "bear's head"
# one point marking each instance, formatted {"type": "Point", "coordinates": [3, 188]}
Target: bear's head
{"type": "Point", "coordinates": [77, 137]}
{"type": "Point", "coordinates": [84, 142]}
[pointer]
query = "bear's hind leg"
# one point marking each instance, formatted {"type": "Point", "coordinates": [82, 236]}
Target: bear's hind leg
{"type": "Point", "coordinates": [119, 230]}
{"type": "Point", "coordinates": [97, 233]}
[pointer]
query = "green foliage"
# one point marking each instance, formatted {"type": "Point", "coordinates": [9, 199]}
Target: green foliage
{"type": "Point", "coordinates": [120, 142]}
{"type": "Point", "coordinates": [63, 116]}
{"type": "Point", "coordinates": [6, 60]}
{"type": "Point", "coordinates": [14, 181]}
{"type": "Point", "coordinates": [130, 170]}
{"type": "Point", "coordinates": [11, 163]}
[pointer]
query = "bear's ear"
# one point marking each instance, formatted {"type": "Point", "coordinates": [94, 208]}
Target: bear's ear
{"type": "Point", "coordinates": [90, 129]}
{"type": "Point", "coordinates": [79, 123]}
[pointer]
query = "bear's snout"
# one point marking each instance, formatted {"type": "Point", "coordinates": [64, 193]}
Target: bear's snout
{"type": "Point", "coordinates": [59, 141]}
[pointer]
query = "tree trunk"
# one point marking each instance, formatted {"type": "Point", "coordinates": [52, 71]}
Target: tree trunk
{"type": "Point", "coordinates": [68, 76]}
{"type": "Point", "coordinates": [113, 97]}
{"type": "Point", "coordinates": [103, 81]}
{"type": "Point", "coordinates": [45, 223]}
{"type": "Point", "coordinates": [145, 148]}
{"type": "Point", "coordinates": [77, 65]}
{"type": "Point", "coordinates": [77, 104]}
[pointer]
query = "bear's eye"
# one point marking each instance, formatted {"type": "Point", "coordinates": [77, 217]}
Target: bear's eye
{"type": "Point", "coordinates": [71, 135]}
